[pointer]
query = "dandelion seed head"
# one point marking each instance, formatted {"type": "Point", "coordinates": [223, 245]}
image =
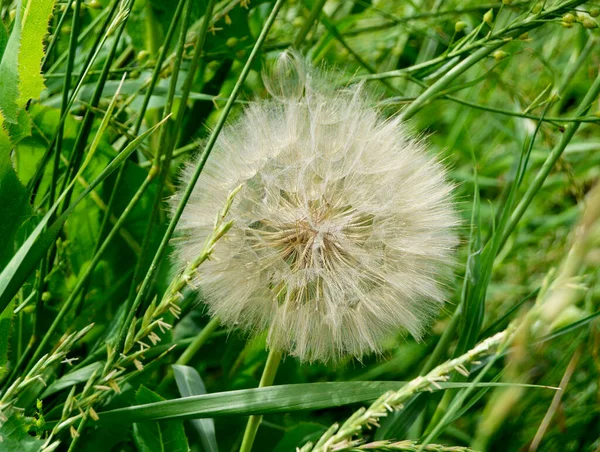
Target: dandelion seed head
{"type": "Point", "coordinates": [342, 229]}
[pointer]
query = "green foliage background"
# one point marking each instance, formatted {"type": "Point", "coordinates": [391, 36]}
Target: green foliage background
{"type": "Point", "coordinates": [500, 90]}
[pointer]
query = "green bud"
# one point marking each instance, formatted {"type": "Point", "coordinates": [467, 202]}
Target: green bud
{"type": "Point", "coordinates": [589, 23]}
{"type": "Point", "coordinates": [46, 296]}
{"type": "Point", "coordinates": [488, 17]}
{"type": "Point", "coordinates": [499, 55]}
{"type": "Point", "coordinates": [142, 55]}
{"type": "Point", "coordinates": [460, 26]}
{"type": "Point", "coordinates": [94, 4]}
{"type": "Point", "coordinates": [231, 42]}
{"type": "Point", "coordinates": [594, 12]}
{"type": "Point", "coordinates": [507, 2]}
{"type": "Point", "coordinates": [537, 8]}
{"type": "Point", "coordinates": [567, 24]}
{"type": "Point", "coordinates": [569, 18]}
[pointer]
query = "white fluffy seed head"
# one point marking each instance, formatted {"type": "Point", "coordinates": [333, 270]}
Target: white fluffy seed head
{"type": "Point", "coordinates": [343, 227]}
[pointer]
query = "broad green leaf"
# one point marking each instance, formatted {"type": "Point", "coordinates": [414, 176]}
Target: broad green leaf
{"type": "Point", "coordinates": [21, 129]}
{"type": "Point", "coordinates": [35, 27]}
{"type": "Point", "coordinates": [14, 436]}
{"type": "Point", "coordinates": [189, 384]}
{"type": "Point", "coordinates": [273, 399]}
{"type": "Point", "coordinates": [163, 436]}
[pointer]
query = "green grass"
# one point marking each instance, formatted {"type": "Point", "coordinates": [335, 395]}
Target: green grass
{"type": "Point", "coordinates": [99, 340]}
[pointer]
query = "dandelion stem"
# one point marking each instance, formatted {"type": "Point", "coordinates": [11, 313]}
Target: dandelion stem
{"type": "Point", "coordinates": [266, 380]}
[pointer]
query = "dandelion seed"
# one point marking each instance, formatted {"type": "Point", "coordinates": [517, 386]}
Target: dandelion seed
{"type": "Point", "coordinates": [343, 227]}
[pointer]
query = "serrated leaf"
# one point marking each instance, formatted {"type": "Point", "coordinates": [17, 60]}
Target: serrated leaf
{"type": "Point", "coordinates": [36, 17]}
{"type": "Point", "coordinates": [9, 72]}
{"type": "Point", "coordinates": [21, 129]}
{"type": "Point", "coordinates": [14, 436]}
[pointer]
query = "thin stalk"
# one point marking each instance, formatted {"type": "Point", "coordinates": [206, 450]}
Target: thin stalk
{"type": "Point", "coordinates": [308, 23]}
{"type": "Point", "coordinates": [158, 256]}
{"type": "Point", "coordinates": [56, 33]}
{"type": "Point", "coordinates": [138, 124]}
{"type": "Point", "coordinates": [66, 307]}
{"type": "Point", "coordinates": [76, 156]}
{"type": "Point", "coordinates": [37, 177]}
{"type": "Point", "coordinates": [65, 96]}
{"type": "Point", "coordinates": [106, 13]}
{"type": "Point", "coordinates": [162, 167]}
{"type": "Point", "coordinates": [67, 304]}
{"type": "Point", "coordinates": [432, 92]}
{"type": "Point", "coordinates": [443, 344]}
{"type": "Point", "coordinates": [187, 85]}
{"type": "Point", "coordinates": [500, 37]}
{"type": "Point", "coordinates": [268, 376]}
{"type": "Point", "coordinates": [198, 341]}
{"type": "Point", "coordinates": [549, 163]}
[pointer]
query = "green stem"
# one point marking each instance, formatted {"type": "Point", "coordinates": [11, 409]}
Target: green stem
{"type": "Point", "coordinates": [555, 154]}
{"type": "Point", "coordinates": [433, 91]}
{"type": "Point", "coordinates": [308, 23]}
{"type": "Point", "coordinates": [198, 341]}
{"type": "Point", "coordinates": [67, 305]}
{"type": "Point", "coordinates": [267, 379]}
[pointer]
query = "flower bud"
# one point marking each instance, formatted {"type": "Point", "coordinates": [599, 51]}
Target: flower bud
{"type": "Point", "coordinates": [460, 26]}
{"type": "Point", "coordinates": [594, 12]}
{"type": "Point", "coordinates": [488, 17]}
{"type": "Point", "coordinates": [499, 55]}
{"type": "Point", "coordinates": [589, 23]}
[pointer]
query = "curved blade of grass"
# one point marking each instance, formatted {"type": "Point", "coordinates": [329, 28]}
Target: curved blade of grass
{"type": "Point", "coordinates": [272, 399]}
{"type": "Point", "coordinates": [190, 384]}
